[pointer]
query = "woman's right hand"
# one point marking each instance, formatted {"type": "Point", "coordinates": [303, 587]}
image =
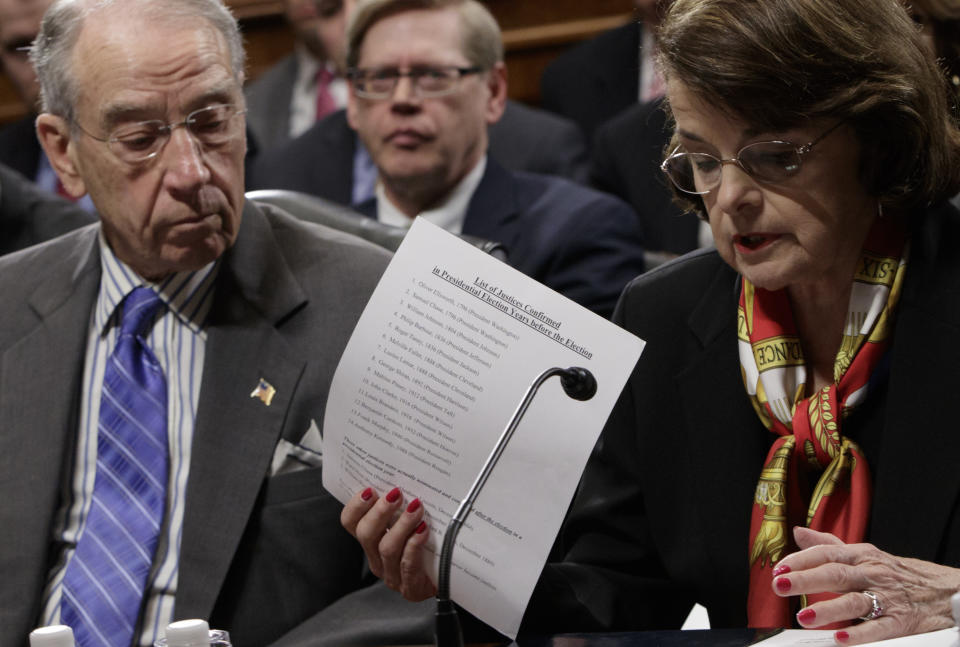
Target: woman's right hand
{"type": "Point", "coordinates": [392, 536]}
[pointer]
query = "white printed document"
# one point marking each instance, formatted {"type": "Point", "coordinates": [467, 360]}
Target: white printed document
{"type": "Point", "coordinates": [442, 356]}
{"type": "Point", "coordinates": [821, 638]}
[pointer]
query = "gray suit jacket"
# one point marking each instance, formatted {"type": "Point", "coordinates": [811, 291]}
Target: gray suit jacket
{"type": "Point", "coordinates": [260, 555]}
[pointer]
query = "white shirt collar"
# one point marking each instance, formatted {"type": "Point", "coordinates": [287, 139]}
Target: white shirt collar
{"type": "Point", "coordinates": [307, 66]}
{"type": "Point", "coordinates": [187, 294]}
{"type": "Point", "coordinates": [303, 99]}
{"type": "Point", "coordinates": [449, 214]}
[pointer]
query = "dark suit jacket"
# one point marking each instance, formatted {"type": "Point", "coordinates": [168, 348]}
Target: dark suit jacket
{"type": "Point", "coordinates": [576, 241]}
{"type": "Point", "coordinates": [260, 555]}
{"type": "Point", "coordinates": [19, 146]}
{"type": "Point", "coordinates": [625, 161]}
{"type": "Point", "coordinates": [29, 215]}
{"type": "Point", "coordinates": [663, 515]}
{"type": "Point", "coordinates": [320, 161]}
{"type": "Point", "coordinates": [596, 79]}
{"type": "Point", "coordinates": [268, 103]}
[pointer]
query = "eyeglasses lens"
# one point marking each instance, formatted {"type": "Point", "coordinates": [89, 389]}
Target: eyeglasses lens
{"type": "Point", "coordinates": [770, 161]}
{"type": "Point", "coordinates": [693, 172]}
{"type": "Point", "coordinates": [427, 82]}
{"type": "Point", "coordinates": [700, 173]}
{"type": "Point", "coordinates": [211, 126]}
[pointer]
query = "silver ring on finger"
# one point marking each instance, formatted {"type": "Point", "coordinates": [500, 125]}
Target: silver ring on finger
{"type": "Point", "coordinates": [876, 609]}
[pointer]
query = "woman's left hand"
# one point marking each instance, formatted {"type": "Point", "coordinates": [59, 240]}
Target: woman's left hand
{"type": "Point", "coordinates": [913, 595]}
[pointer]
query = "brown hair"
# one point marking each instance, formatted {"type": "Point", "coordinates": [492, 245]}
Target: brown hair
{"type": "Point", "coordinates": [482, 43]}
{"type": "Point", "coordinates": [778, 64]}
{"type": "Point", "coordinates": [944, 19]}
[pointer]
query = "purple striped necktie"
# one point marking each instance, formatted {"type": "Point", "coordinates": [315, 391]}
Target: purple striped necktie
{"type": "Point", "coordinates": [105, 580]}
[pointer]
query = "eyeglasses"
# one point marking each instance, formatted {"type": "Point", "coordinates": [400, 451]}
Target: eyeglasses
{"type": "Point", "coordinates": [211, 127]}
{"type": "Point", "coordinates": [380, 83]}
{"type": "Point", "coordinates": [775, 161]}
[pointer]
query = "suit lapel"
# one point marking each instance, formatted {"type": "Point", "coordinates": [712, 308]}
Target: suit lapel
{"type": "Point", "coordinates": [368, 208]}
{"type": "Point", "coordinates": [282, 91]}
{"type": "Point", "coordinates": [39, 394]}
{"type": "Point", "coordinates": [493, 207]}
{"type": "Point", "coordinates": [235, 433]}
{"type": "Point", "coordinates": [333, 170]}
{"type": "Point", "coordinates": [724, 455]}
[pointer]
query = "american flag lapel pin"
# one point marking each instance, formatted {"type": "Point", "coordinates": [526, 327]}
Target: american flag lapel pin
{"type": "Point", "coordinates": [264, 392]}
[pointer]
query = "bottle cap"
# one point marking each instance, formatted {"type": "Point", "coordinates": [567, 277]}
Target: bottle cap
{"type": "Point", "coordinates": [52, 636]}
{"type": "Point", "coordinates": [184, 633]}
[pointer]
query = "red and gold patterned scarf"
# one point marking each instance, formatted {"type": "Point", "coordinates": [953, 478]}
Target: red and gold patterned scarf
{"type": "Point", "coordinates": [810, 445]}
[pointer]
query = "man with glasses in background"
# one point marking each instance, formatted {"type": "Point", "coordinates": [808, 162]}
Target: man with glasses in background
{"type": "Point", "coordinates": [327, 160]}
{"type": "Point", "coordinates": [427, 78]}
{"type": "Point", "coordinates": [164, 374]}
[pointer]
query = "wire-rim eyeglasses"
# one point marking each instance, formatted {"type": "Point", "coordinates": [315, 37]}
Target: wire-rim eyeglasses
{"type": "Point", "coordinates": [767, 161]}
{"type": "Point", "coordinates": [135, 143]}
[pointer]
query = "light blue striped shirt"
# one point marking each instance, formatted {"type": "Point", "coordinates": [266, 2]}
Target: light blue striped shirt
{"type": "Point", "coordinates": [178, 340]}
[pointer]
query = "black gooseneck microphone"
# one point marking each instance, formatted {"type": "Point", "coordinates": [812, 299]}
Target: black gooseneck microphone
{"type": "Point", "coordinates": [579, 384]}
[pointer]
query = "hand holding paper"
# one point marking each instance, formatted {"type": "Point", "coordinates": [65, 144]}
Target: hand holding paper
{"type": "Point", "coordinates": [449, 343]}
{"type": "Point", "coordinates": [397, 556]}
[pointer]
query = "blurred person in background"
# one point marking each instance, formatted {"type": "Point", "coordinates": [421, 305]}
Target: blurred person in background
{"type": "Point", "coordinates": [596, 80]}
{"type": "Point", "coordinates": [19, 147]}
{"type": "Point", "coordinates": [306, 85]}
{"type": "Point", "coordinates": [30, 215]}
{"type": "Point", "coordinates": [427, 78]}
{"type": "Point", "coordinates": [939, 21]}
{"type": "Point", "coordinates": [327, 159]}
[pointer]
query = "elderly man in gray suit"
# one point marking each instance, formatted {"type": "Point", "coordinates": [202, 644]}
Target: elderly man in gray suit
{"type": "Point", "coordinates": [164, 372]}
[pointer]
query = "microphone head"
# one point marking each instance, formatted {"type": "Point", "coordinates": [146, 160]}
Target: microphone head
{"type": "Point", "coordinates": [578, 383]}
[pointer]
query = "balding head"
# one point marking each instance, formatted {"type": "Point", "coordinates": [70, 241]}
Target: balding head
{"type": "Point", "coordinates": [52, 53]}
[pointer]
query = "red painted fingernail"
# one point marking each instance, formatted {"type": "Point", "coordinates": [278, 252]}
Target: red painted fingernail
{"type": "Point", "coordinates": [841, 636]}
{"type": "Point", "coordinates": [366, 494]}
{"type": "Point", "coordinates": [781, 569]}
{"type": "Point", "coordinates": [413, 505]}
{"type": "Point", "coordinates": [806, 616]}
{"type": "Point", "coordinates": [783, 584]}
{"type": "Point", "coordinates": [393, 495]}
{"type": "Point", "coordinates": [421, 527]}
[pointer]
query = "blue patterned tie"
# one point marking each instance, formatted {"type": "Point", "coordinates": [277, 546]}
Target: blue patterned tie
{"type": "Point", "coordinates": [105, 580]}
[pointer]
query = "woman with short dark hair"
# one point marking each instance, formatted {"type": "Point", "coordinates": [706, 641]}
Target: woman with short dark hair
{"type": "Point", "coordinates": [794, 397]}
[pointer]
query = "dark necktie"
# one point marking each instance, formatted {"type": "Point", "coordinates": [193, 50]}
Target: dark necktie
{"type": "Point", "coordinates": [105, 580]}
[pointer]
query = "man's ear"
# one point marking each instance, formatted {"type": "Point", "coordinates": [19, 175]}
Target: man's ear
{"type": "Point", "coordinates": [497, 84]}
{"type": "Point", "coordinates": [54, 135]}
